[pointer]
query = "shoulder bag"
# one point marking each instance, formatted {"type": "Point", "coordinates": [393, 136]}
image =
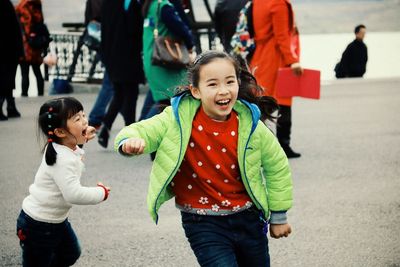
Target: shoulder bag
{"type": "Point", "coordinates": [168, 52]}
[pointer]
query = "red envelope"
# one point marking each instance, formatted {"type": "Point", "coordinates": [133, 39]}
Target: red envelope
{"type": "Point", "coordinates": [307, 85]}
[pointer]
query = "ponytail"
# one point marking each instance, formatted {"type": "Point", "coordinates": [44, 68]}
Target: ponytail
{"type": "Point", "coordinates": [250, 91]}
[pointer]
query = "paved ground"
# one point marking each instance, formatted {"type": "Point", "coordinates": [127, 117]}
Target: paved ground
{"type": "Point", "coordinates": [347, 184]}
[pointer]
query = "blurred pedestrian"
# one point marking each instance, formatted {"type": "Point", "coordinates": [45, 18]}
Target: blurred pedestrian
{"type": "Point", "coordinates": [96, 115]}
{"type": "Point", "coordinates": [11, 49]}
{"type": "Point", "coordinates": [121, 51]}
{"type": "Point", "coordinates": [171, 22]}
{"type": "Point", "coordinates": [30, 16]}
{"type": "Point", "coordinates": [226, 16]}
{"type": "Point", "coordinates": [354, 59]}
{"type": "Point", "coordinates": [277, 45]}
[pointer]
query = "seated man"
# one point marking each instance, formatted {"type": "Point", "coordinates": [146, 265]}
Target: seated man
{"type": "Point", "coordinates": [355, 57]}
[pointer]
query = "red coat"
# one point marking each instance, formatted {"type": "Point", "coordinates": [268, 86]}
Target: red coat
{"type": "Point", "coordinates": [277, 43]}
{"type": "Point", "coordinates": [29, 12]}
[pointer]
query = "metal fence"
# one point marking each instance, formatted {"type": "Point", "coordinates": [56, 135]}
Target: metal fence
{"type": "Point", "coordinates": [75, 61]}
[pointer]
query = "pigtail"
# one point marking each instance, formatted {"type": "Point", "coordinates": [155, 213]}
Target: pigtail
{"type": "Point", "coordinates": [51, 154]}
{"type": "Point", "coordinates": [48, 121]}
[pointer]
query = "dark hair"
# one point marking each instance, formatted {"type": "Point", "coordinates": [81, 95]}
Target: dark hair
{"type": "Point", "coordinates": [54, 114]}
{"type": "Point", "coordinates": [358, 28]}
{"type": "Point", "coordinates": [249, 90]}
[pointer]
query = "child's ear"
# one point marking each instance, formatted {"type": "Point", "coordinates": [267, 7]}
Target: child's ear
{"type": "Point", "coordinates": [60, 133]}
{"type": "Point", "coordinates": [194, 91]}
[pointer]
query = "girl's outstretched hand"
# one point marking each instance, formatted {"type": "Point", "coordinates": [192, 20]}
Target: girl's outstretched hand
{"type": "Point", "coordinates": [90, 133]}
{"type": "Point", "coordinates": [134, 146]}
{"type": "Point", "coordinates": [106, 190]}
{"type": "Point", "coordinates": [279, 230]}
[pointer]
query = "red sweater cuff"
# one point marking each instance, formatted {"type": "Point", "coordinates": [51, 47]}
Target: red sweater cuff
{"type": "Point", "coordinates": [106, 192]}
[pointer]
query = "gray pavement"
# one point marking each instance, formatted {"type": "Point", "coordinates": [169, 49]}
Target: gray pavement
{"type": "Point", "coordinates": [346, 184]}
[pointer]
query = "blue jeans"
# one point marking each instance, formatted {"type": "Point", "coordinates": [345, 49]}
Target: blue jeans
{"type": "Point", "coordinates": [232, 240]}
{"type": "Point", "coordinates": [103, 99]}
{"type": "Point", "coordinates": [47, 244]}
{"type": "Point", "coordinates": [147, 105]}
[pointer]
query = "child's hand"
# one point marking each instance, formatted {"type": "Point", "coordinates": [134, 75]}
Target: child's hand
{"type": "Point", "coordinates": [106, 190]}
{"type": "Point", "coordinates": [134, 146]}
{"type": "Point", "coordinates": [90, 133]}
{"type": "Point", "coordinates": [279, 230]}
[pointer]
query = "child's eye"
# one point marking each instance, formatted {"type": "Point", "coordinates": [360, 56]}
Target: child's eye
{"type": "Point", "coordinates": [231, 81]}
{"type": "Point", "coordinates": [212, 84]}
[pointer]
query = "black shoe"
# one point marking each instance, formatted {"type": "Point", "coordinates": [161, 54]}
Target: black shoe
{"type": "Point", "coordinates": [290, 153]}
{"type": "Point", "coordinates": [103, 136]}
{"type": "Point", "coordinates": [3, 117]}
{"type": "Point", "coordinates": [13, 113]}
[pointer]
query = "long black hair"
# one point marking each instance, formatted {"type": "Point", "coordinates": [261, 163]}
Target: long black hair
{"type": "Point", "coordinates": [54, 114]}
{"type": "Point", "coordinates": [249, 90]}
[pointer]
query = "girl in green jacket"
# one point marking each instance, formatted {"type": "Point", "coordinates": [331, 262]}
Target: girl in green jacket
{"type": "Point", "coordinates": [224, 167]}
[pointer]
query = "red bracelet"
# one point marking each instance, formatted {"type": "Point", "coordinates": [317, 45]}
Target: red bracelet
{"type": "Point", "coordinates": [105, 191]}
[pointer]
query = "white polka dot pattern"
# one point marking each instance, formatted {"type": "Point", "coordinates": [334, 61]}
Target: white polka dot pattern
{"type": "Point", "coordinates": [210, 171]}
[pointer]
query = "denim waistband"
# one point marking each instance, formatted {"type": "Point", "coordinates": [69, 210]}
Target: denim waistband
{"type": "Point", "coordinates": [39, 223]}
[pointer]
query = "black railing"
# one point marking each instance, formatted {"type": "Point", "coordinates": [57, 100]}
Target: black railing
{"type": "Point", "coordinates": [75, 61]}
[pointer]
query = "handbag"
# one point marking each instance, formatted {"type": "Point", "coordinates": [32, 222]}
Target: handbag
{"type": "Point", "coordinates": [168, 52]}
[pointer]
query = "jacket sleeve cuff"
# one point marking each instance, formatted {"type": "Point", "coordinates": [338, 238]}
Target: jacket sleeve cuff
{"type": "Point", "coordinates": [278, 217]}
{"type": "Point", "coordinates": [120, 148]}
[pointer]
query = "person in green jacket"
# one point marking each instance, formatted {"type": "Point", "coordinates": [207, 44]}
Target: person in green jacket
{"type": "Point", "coordinates": [224, 167]}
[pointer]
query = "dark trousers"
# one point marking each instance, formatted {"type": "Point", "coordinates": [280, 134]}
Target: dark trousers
{"type": "Point", "coordinates": [284, 125]}
{"type": "Point", "coordinates": [25, 78]}
{"type": "Point", "coordinates": [228, 241]}
{"type": "Point", "coordinates": [47, 244]}
{"type": "Point", "coordinates": [124, 101]}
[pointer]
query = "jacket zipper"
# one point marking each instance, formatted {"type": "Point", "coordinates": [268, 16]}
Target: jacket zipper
{"type": "Point", "coordinates": [246, 179]}
{"type": "Point", "coordinates": [169, 178]}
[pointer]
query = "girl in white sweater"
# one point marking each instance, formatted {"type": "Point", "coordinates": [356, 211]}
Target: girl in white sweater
{"type": "Point", "coordinates": [46, 237]}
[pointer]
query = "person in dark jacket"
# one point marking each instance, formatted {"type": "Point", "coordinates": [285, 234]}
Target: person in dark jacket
{"type": "Point", "coordinates": [226, 16]}
{"type": "Point", "coordinates": [12, 49]}
{"type": "Point", "coordinates": [121, 48]}
{"type": "Point", "coordinates": [98, 111]}
{"type": "Point", "coordinates": [30, 15]}
{"type": "Point", "coordinates": [355, 57]}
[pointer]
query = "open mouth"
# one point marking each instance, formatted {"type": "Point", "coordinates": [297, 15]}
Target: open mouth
{"type": "Point", "coordinates": [223, 102]}
{"type": "Point", "coordinates": [84, 132]}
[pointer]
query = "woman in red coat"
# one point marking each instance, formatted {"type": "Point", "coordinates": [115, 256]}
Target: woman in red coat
{"type": "Point", "coordinates": [277, 46]}
{"type": "Point", "coordinates": [29, 13]}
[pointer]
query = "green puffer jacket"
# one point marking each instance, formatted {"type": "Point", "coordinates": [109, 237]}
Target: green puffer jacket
{"type": "Point", "coordinates": [263, 165]}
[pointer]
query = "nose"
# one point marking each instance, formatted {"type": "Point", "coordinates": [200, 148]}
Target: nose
{"type": "Point", "coordinates": [223, 90]}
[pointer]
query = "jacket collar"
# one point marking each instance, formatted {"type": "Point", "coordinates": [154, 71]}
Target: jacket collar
{"type": "Point", "coordinates": [240, 106]}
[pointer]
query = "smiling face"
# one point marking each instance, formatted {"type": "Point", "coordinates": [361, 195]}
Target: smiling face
{"type": "Point", "coordinates": [217, 88]}
{"type": "Point", "coordinates": [76, 130]}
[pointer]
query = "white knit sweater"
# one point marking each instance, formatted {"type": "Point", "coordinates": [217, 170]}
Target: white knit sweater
{"type": "Point", "coordinates": [57, 187]}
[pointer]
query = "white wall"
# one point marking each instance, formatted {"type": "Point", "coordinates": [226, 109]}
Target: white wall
{"type": "Point", "coordinates": [323, 51]}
